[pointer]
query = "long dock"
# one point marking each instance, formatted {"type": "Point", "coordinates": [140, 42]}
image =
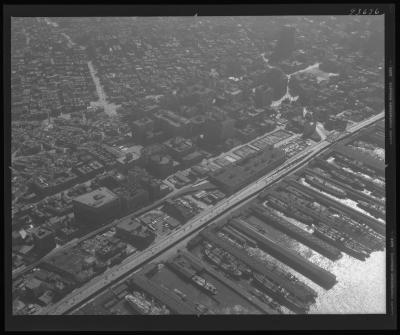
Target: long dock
{"type": "Point", "coordinates": [376, 188]}
{"type": "Point", "coordinates": [355, 194]}
{"type": "Point", "coordinates": [373, 223]}
{"type": "Point", "coordinates": [195, 261]}
{"type": "Point", "coordinates": [358, 156]}
{"type": "Point", "coordinates": [297, 233]}
{"type": "Point", "coordinates": [318, 275]}
{"type": "Point", "coordinates": [173, 303]}
{"type": "Point", "coordinates": [272, 273]}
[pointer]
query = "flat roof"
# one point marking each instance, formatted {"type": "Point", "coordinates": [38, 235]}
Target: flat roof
{"type": "Point", "coordinates": [134, 149]}
{"type": "Point", "coordinates": [97, 198]}
{"type": "Point", "coordinates": [129, 224]}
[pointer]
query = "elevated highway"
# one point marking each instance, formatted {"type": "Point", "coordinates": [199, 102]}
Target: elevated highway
{"type": "Point", "coordinates": [200, 221]}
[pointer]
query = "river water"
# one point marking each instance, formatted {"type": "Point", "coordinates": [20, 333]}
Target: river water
{"type": "Point", "coordinates": [361, 287]}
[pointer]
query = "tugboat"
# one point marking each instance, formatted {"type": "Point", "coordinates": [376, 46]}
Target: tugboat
{"type": "Point", "coordinates": [204, 284]}
{"type": "Point", "coordinates": [325, 186]}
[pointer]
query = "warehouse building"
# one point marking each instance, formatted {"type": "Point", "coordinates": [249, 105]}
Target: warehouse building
{"type": "Point", "coordinates": [233, 177]}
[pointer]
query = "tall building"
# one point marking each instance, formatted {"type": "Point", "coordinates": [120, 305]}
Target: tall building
{"type": "Point", "coordinates": [96, 208]}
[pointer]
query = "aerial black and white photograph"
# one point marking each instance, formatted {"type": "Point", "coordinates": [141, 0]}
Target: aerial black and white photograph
{"type": "Point", "coordinates": [196, 165]}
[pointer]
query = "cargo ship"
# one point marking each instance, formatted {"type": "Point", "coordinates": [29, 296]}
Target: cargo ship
{"type": "Point", "coordinates": [341, 241]}
{"type": "Point", "coordinates": [375, 210]}
{"type": "Point", "coordinates": [204, 285]}
{"type": "Point", "coordinates": [362, 232]}
{"type": "Point", "coordinates": [290, 211]}
{"type": "Point", "coordinates": [359, 166]}
{"type": "Point", "coordinates": [245, 270]}
{"type": "Point", "coordinates": [366, 181]}
{"type": "Point", "coordinates": [325, 186]}
{"type": "Point", "coordinates": [287, 197]}
{"type": "Point", "coordinates": [216, 256]}
{"type": "Point", "coordinates": [228, 262]}
{"type": "Point", "coordinates": [267, 300]}
{"type": "Point", "coordinates": [139, 304]}
{"type": "Point", "coordinates": [346, 225]}
{"type": "Point", "coordinates": [337, 171]}
{"type": "Point", "coordinates": [277, 204]}
{"type": "Point", "coordinates": [348, 180]}
{"type": "Point", "coordinates": [230, 239]}
{"type": "Point", "coordinates": [281, 295]}
{"type": "Point", "coordinates": [299, 234]}
{"type": "Point", "coordinates": [299, 193]}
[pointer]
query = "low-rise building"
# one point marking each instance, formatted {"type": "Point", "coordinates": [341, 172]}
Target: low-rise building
{"type": "Point", "coordinates": [132, 231]}
{"type": "Point", "coordinates": [236, 175]}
